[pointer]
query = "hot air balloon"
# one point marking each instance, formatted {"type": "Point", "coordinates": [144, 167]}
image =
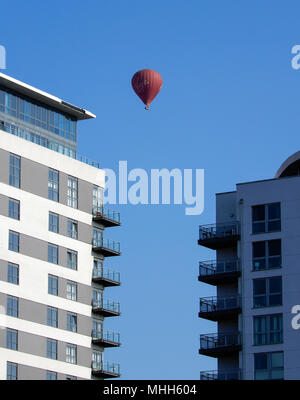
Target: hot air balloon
{"type": "Point", "coordinates": [146, 84]}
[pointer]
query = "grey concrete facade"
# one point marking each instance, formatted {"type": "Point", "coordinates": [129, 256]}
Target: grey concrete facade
{"type": "Point", "coordinates": [34, 179]}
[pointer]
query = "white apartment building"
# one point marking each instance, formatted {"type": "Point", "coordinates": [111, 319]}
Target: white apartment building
{"type": "Point", "coordinates": [53, 248]}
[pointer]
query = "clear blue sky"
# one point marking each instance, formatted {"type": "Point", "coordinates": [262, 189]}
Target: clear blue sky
{"type": "Point", "coordinates": [229, 104]}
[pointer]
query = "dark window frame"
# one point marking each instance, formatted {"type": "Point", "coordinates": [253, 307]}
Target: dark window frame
{"type": "Point", "coordinates": [269, 370]}
{"type": "Point", "coordinates": [9, 375]}
{"type": "Point", "coordinates": [52, 257]}
{"type": "Point", "coordinates": [12, 339]}
{"type": "Point", "coordinates": [14, 208]}
{"type": "Point", "coordinates": [12, 306]}
{"type": "Point", "coordinates": [51, 349]}
{"type": "Point", "coordinates": [266, 222]}
{"type": "Point", "coordinates": [267, 294]}
{"type": "Point", "coordinates": [266, 261]}
{"type": "Point", "coordinates": [53, 322]}
{"type": "Point", "coordinates": [267, 337]}
{"type": "Point", "coordinates": [14, 241]}
{"type": "Point", "coordinates": [52, 288]}
{"type": "Point", "coordinates": [14, 170]}
{"type": "Point", "coordinates": [13, 277]}
{"type": "Point", "coordinates": [53, 221]}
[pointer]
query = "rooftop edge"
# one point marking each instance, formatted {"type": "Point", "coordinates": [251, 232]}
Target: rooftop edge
{"type": "Point", "coordinates": [45, 98]}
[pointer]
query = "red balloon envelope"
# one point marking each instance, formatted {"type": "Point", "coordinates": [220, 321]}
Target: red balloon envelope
{"type": "Point", "coordinates": [146, 84]}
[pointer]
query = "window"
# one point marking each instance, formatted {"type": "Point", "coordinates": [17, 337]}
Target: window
{"type": "Point", "coordinates": [12, 307]}
{"type": "Point", "coordinates": [72, 291]}
{"type": "Point", "coordinates": [97, 328]}
{"type": "Point", "coordinates": [11, 371]}
{"type": "Point", "coordinates": [53, 285]}
{"type": "Point", "coordinates": [52, 349]}
{"type": "Point", "coordinates": [53, 253]}
{"type": "Point", "coordinates": [13, 273]}
{"type": "Point", "coordinates": [267, 292]}
{"type": "Point", "coordinates": [268, 329]}
{"type": "Point", "coordinates": [14, 170]}
{"type": "Point", "coordinates": [97, 298]}
{"type": "Point", "coordinates": [72, 197]}
{"type": "Point", "coordinates": [266, 218]}
{"type": "Point", "coordinates": [37, 115]}
{"type": "Point", "coordinates": [72, 259]}
{"type": "Point", "coordinates": [12, 339]}
{"type": "Point", "coordinates": [14, 241]}
{"type": "Point", "coordinates": [72, 322]}
{"type": "Point", "coordinates": [14, 208]}
{"type": "Point", "coordinates": [53, 222]}
{"type": "Point", "coordinates": [97, 198]}
{"type": "Point", "coordinates": [97, 360]}
{"type": "Point", "coordinates": [97, 271]}
{"type": "Point", "coordinates": [268, 366]}
{"type": "Point", "coordinates": [71, 378]}
{"type": "Point", "coordinates": [51, 376]}
{"type": "Point", "coordinates": [72, 229]}
{"type": "Point", "coordinates": [266, 254]}
{"type": "Point", "coordinates": [71, 354]}
{"type": "Point", "coordinates": [53, 184]}
{"type": "Point", "coordinates": [52, 317]}
{"type": "Point", "coordinates": [97, 237]}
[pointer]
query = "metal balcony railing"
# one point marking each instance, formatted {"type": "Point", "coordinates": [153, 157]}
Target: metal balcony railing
{"type": "Point", "coordinates": [212, 268]}
{"type": "Point", "coordinates": [105, 273]}
{"type": "Point", "coordinates": [108, 336]}
{"type": "Point", "coordinates": [106, 367]}
{"type": "Point", "coordinates": [42, 141]}
{"type": "Point", "coordinates": [215, 341]}
{"type": "Point", "coordinates": [235, 374]}
{"type": "Point", "coordinates": [212, 304]}
{"type": "Point", "coordinates": [106, 213]}
{"type": "Point", "coordinates": [104, 304]}
{"type": "Point", "coordinates": [107, 244]}
{"type": "Point", "coordinates": [216, 231]}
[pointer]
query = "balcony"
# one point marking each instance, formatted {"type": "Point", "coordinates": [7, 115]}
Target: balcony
{"type": "Point", "coordinates": [106, 217]}
{"type": "Point", "coordinates": [106, 338]}
{"type": "Point", "coordinates": [105, 369]}
{"type": "Point", "coordinates": [106, 308]}
{"type": "Point", "coordinates": [35, 137]}
{"type": "Point", "coordinates": [106, 277]}
{"type": "Point", "coordinates": [219, 235]}
{"type": "Point", "coordinates": [230, 375]}
{"type": "Point", "coordinates": [216, 272]}
{"type": "Point", "coordinates": [217, 345]}
{"type": "Point", "coordinates": [220, 308]}
{"type": "Point", "coordinates": [106, 247]}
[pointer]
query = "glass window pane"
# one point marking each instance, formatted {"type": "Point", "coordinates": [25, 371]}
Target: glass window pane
{"type": "Point", "coordinates": [259, 286]}
{"type": "Point", "coordinates": [275, 284]}
{"type": "Point", "coordinates": [261, 361]}
{"type": "Point", "coordinates": [13, 273]}
{"type": "Point", "coordinates": [261, 375]}
{"type": "Point", "coordinates": [258, 213]}
{"type": "Point", "coordinates": [277, 359]}
{"type": "Point", "coordinates": [277, 374]}
{"type": "Point", "coordinates": [274, 226]}
{"type": "Point", "coordinates": [275, 300]}
{"type": "Point", "coordinates": [259, 249]}
{"type": "Point", "coordinates": [274, 211]}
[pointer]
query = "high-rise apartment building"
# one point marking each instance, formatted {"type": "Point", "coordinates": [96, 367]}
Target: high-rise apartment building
{"type": "Point", "coordinates": [53, 246]}
{"type": "Point", "coordinates": [257, 277]}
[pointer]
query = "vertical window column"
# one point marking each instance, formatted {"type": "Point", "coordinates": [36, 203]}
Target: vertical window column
{"type": "Point", "coordinates": [14, 170]}
{"type": "Point", "coordinates": [53, 184]}
{"type": "Point", "coordinates": [72, 196]}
